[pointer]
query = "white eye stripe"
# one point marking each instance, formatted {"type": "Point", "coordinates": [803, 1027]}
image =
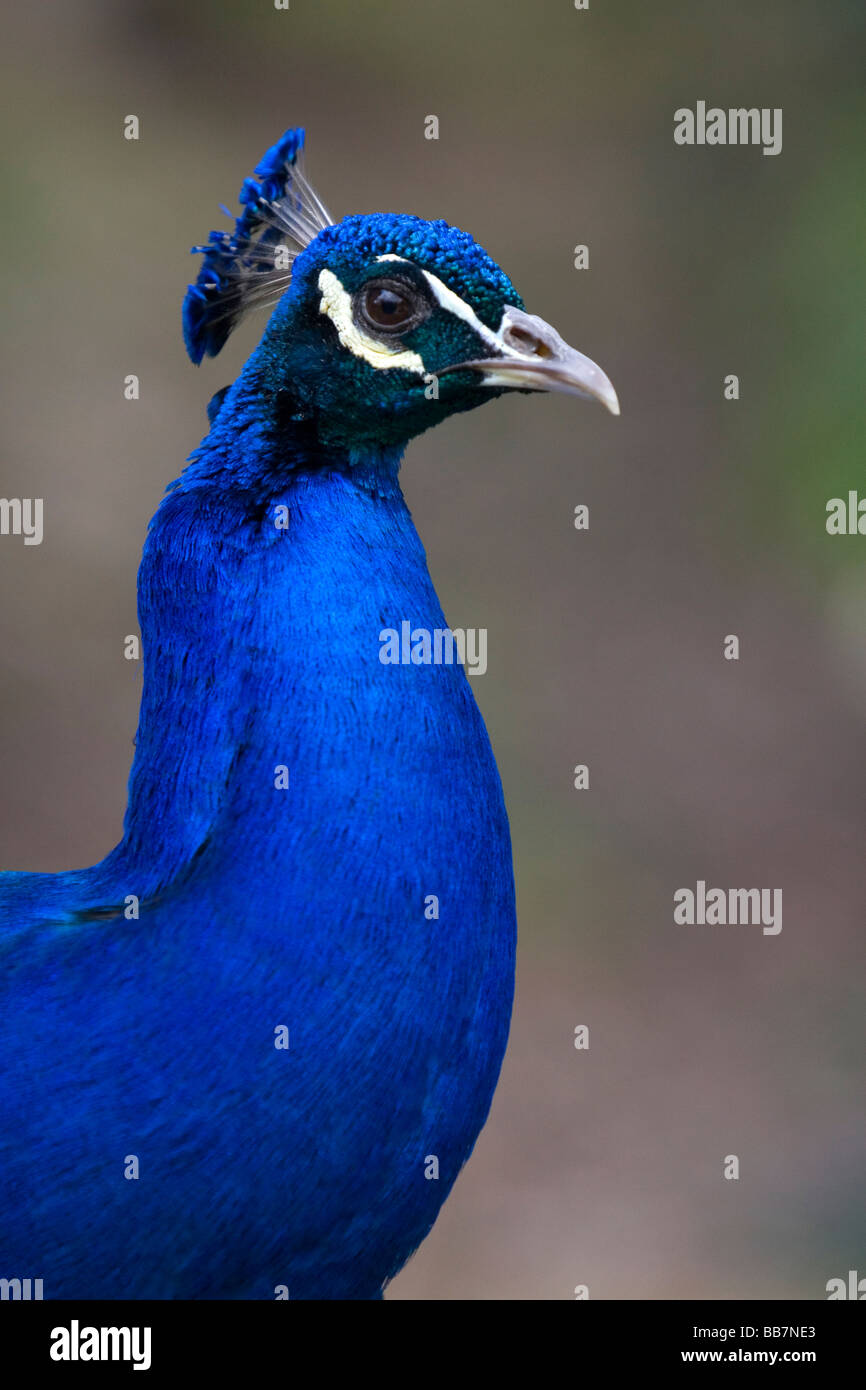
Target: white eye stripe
{"type": "Point", "coordinates": [336, 304]}
{"type": "Point", "coordinates": [452, 302]}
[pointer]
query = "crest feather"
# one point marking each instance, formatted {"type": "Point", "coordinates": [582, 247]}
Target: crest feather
{"type": "Point", "coordinates": [251, 266]}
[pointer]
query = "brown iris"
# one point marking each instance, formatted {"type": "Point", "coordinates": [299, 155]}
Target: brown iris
{"type": "Point", "coordinates": [390, 307]}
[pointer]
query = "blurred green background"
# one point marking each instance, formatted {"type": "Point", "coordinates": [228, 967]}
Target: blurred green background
{"type": "Point", "coordinates": [601, 1167]}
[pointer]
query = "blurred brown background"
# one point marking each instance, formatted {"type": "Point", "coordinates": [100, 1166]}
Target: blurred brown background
{"type": "Point", "coordinates": [706, 518]}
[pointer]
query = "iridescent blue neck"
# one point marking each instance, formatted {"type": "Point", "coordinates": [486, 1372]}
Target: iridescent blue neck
{"type": "Point", "coordinates": [261, 438]}
{"type": "Point", "coordinates": [265, 577]}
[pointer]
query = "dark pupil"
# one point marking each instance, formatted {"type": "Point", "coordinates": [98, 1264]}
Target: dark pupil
{"type": "Point", "coordinates": [387, 307]}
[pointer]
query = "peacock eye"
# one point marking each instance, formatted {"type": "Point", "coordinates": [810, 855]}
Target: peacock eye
{"type": "Point", "coordinates": [390, 307]}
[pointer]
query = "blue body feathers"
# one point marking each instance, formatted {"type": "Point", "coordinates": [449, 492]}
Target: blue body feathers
{"type": "Point", "coordinates": [251, 1049]}
{"type": "Point", "coordinates": [268, 574]}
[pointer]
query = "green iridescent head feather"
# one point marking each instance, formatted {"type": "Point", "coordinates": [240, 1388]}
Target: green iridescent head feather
{"type": "Point", "coordinates": [382, 324]}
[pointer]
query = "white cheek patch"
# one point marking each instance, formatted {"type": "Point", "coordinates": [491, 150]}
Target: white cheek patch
{"type": "Point", "coordinates": [336, 304]}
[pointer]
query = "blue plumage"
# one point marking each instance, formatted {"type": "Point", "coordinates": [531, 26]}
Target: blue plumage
{"type": "Point", "coordinates": [295, 806]}
{"type": "Point", "coordinates": [235, 261]}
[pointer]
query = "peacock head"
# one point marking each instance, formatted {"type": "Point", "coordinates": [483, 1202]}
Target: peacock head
{"type": "Point", "coordinates": [383, 324]}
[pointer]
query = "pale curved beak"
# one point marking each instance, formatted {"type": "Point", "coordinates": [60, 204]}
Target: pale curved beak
{"type": "Point", "coordinates": [535, 358]}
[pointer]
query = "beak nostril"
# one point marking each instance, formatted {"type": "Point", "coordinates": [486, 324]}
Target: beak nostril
{"type": "Point", "coordinates": [527, 343]}
{"type": "Point", "coordinates": [529, 355]}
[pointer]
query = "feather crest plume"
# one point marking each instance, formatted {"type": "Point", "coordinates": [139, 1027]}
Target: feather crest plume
{"type": "Point", "coordinates": [251, 266]}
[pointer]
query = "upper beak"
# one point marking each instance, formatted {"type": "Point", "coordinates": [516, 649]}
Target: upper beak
{"type": "Point", "coordinates": [535, 358]}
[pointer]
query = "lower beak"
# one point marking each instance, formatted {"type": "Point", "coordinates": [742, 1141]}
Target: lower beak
{"type": "Point", "coordinates": [535, 358]}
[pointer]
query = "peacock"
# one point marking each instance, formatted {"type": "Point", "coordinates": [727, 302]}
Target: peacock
{"type": "Point", "coordinates": [247, 1054]}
